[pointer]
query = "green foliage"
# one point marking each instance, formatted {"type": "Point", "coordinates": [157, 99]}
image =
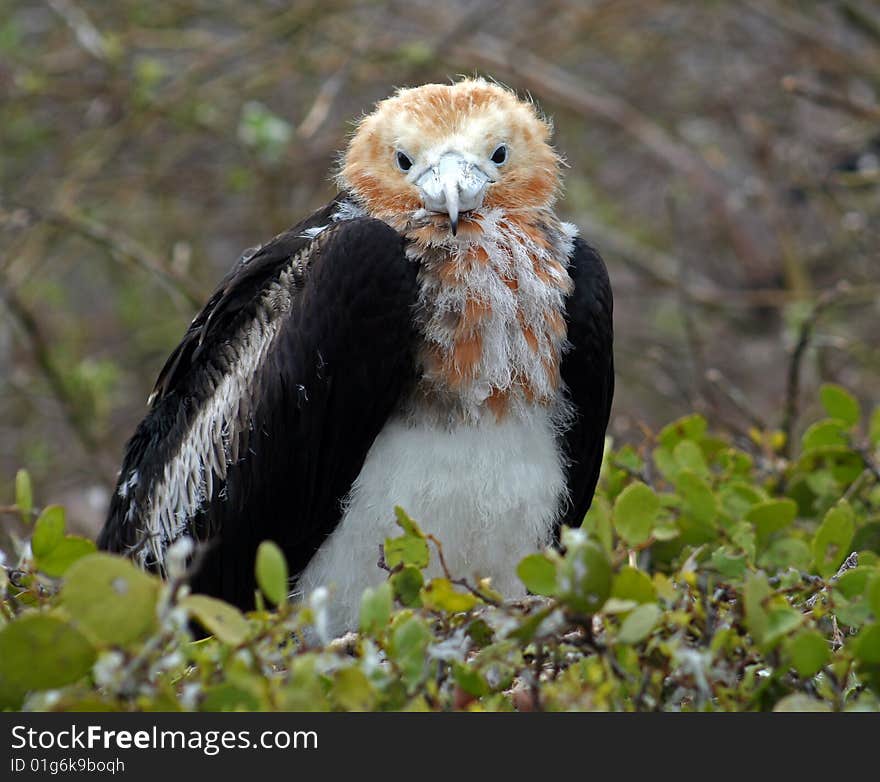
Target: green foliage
{"type": "Point", "coordinates": [264, 132]}
{"type": "Point", "coordinates": [271, 572]}
{"type": "Point", "coordinates": [708, 576]}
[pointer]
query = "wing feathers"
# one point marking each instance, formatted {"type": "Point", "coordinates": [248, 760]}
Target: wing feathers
{"type": "Point", "coordinates": [265, 412]}
{"type": "Point", "coordinates": [588, 372]}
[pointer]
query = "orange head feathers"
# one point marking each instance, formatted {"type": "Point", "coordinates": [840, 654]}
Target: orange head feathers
{"type": "Point", "coordinates": [439, 151]}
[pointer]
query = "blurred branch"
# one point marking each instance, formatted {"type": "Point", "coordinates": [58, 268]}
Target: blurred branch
{"type": "Point", "coordinates": [805, 333]}
{"type": "Point", "coordinates": [29, 326]}
{"type": "Point", "coordinates": [656, 265]}
{"type": "Point", "coordinates": [120, 246]}
{"type": "Point", "coordinates": [800, 26]}
{"type": "Point", "coordinates": [694, 339]}
{"type": "Point", "coordinates": [827, 98]}
{"type": "Point", "coordinates": [860, 19]}
{"type": "Point", "coordinates": [735, 395]}
{"type": "Point", "coordinates": [545, 78]}
{"type": "Point", "coordinates": [88, 36]}
{"type": "Point", "coordinates": [320, 109]}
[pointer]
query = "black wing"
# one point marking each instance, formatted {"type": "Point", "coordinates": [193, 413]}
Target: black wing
{"type": "Point", "coordinates": [588, 372]}
{"type": "Point", "coordinates": [261, 419]}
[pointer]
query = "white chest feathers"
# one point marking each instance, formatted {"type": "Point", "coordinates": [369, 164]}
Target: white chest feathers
{"type": "Point", "coordinates": [490, 491]}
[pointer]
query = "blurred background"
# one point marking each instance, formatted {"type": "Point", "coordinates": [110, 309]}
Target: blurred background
{"type": "Point", "coordinates": [724, 157]}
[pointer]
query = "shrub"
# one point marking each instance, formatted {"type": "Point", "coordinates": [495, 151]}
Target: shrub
{"type": "Point", "coordinates": [709, 575]}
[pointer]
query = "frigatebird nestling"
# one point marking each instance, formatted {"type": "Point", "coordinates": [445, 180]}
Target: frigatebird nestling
{"type": "Point", "coordinates": [435, 338]}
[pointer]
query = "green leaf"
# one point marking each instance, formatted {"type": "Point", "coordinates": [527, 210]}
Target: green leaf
{"type": "Point", "coordinates": [407, 584]}
{"type": "Point", "coordinates": [840, 404]}
{"type": "Point", "coordinates": [690, 457]}
{"type": "Point", "coordinates": [851, 606]}
{"type": "Point", "coordinates": [786, 553]}
{"type": "Point", "coordinates": [24, 495]}
{"type": "Point", "coordinates": [756, 591]}
{"type": "Point", "coordinates": [223, 621]}
{"type": "Point", "coordinates": [737, 498]}
{"type": "Point", "coordinates": [226, 697]}
{"type": "Point", "coordinates": [808, 651]}
{"type": "Point", "coordinates": [265, 132]}
{"type": "Point", "coordinates": [832, 539]}
{"type": "Point", "coordinates": [800, 702]}
{"type": "Point", "coordinates": [874, 427]}
{"type": "Point", "coordinates": [480, 632]}
{"type": "Point", "coordinates": [635, 513]}
{"type": "Point", "coordinates": [743, 535]}
{"type": "Point", "coordinates": [598, 523]}
{"type": "Point", "coordinates": [584, 577]}
{"type": "Point", "coordinates": [731, 566]}
{"type": "Point", "coordinates": [407, 550]}
{"type": "Point", "coordinates": [471, 681]}
{"type": "Point", "coordinates": [352, 691]}
{"type": "Point", "coordinates": [72, 548]}
{"type": "Point", "coordinates": [853, 583]}
{"type": "Point", "coordinates": [306, 686]}
{"type": "Point", "coordinates": [867, 644]}
{"type": "Point", "coordinates": [698, 500]}
{"type": "Point", "coordinates": [48, 531]}
{"type": "Point", "coordinates": [376, 604]}
{"type": "Point", "coordinates": [271, 572]}
{"type": "Point", "coordinates": [770, 517]}
{"type": "Point", "coordinates": [638, 625]}
{"type": "Point", "coordinates": [406, 523]}
{"type": "Point", "coordinates": [440, 595]}
{"type": "Point", "coordinates": [873, 596]}
{"type": "Point", "coordinates": [735, 462]}
{"type": "Point", "coordinates": [633, 584]}
{"type": "Point", "coordinates": [40, 652]}
{"type": "Point", "coordinates": [691, 427]}
{"type": "Point", "coordinates": [823, 434]}
{"type": "Point", "coordinates": [780, 622]}
{"type": "Point", "coordinates": [110, 598]}
{"type": "Point", "coordinates": [665, 462]}
{"type": "Point", "coordinates": [666, 530]}
{"type": "Point", "coordinates": [538, 574]}
{"type": "Point", "coordinates": [409, 643]}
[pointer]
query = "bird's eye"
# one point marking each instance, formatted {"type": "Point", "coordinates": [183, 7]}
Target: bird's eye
{"type": "Point", "coordinates": [499, 156]}
{"type": "Point", "coordinates": [404, 163]}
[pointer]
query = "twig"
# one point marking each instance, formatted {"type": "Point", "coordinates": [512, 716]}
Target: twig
{"type": "Point", "coordinates": [128, 683]}
{"type": "Point", "coordinates": [43, 356]}
{"type": "Point", "coordinates": [554, 83]}
{"type": "Point", "coordinates": [736, 397]}
{"type": "Point", "coordinates": [327, 94]}
{"type": "Point", "coordinates": [857, 485]}
{"type": "Point", "coordinates": [829, 99]}
{"type": "Point", "coordinates": [689, 323]}
{"type": "Point", "coordinates": [805, 334]}
{"type": "Point", "coordinates": [462, 582]}
{"type": "Point", "coordinates": [867, 457]}
{"type": "Point", "coordinates": [658, 266]}
{"type": "Point", "coordinates": [88, 36]}
{"type": "Point", "coordinates": [120, 246]}
{"type": "Point", "coordinates": [861, 20]}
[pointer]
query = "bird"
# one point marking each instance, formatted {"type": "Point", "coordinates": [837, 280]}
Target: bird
{"type": "Point", "coordinates": [433, 338]}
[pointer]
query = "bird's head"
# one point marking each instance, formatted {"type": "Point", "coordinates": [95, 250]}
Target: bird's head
{"type": "Point", "coordinates": [441, 153]}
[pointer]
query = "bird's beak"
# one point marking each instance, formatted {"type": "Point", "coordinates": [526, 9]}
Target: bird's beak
{"type": "Point", "coordinates": [452, 186]}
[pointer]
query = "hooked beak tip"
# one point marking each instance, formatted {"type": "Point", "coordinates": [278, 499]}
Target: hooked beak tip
{"type": "Point", "coordinates": [453, 225]}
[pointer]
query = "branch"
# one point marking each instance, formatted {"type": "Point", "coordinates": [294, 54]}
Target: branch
{"type": "Point", "coordinates": [805, 334]}
{"type": "Point", "coordinates": [43, 356]}
{"type": "Point", "coordinates": [543, 77]}
{"type": "Point", "coordinates": [119, 245]}
{"type": "Point", "coordinates": [462, 582]}
{"type": "Point", "coordinates": [830, 99]}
